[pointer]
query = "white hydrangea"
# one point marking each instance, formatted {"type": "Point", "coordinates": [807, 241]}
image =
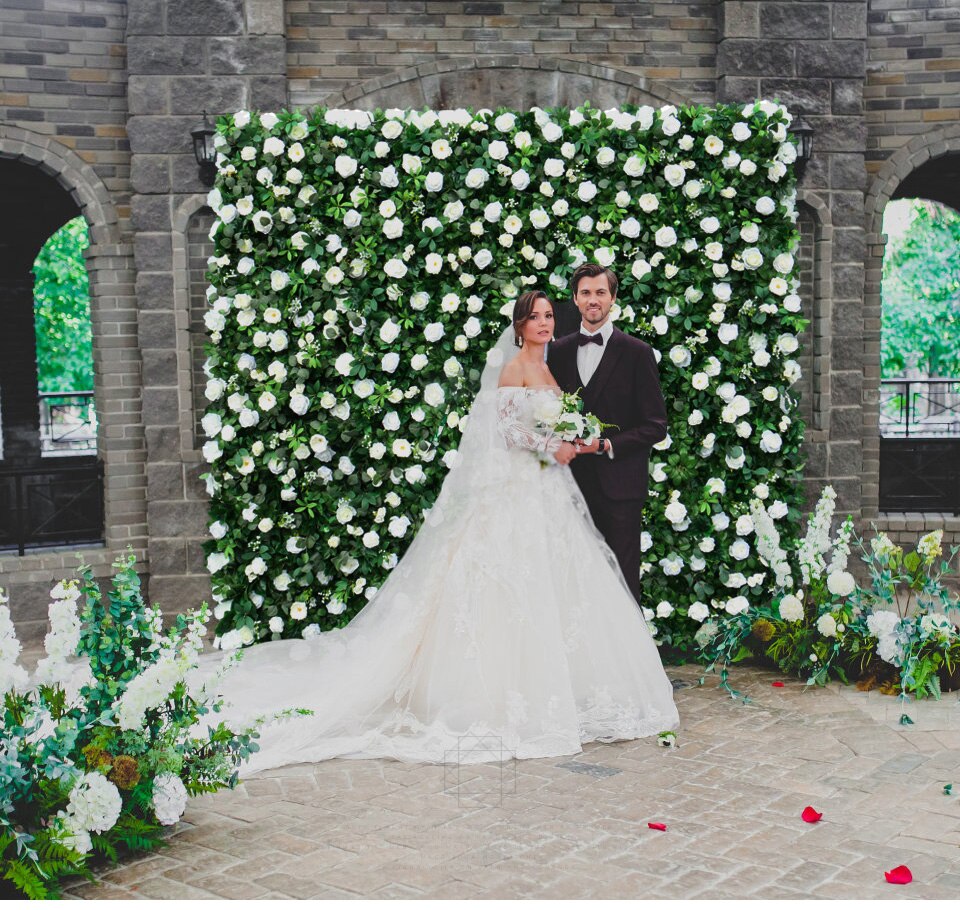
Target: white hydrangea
{"type": "Point", "coordinates": [169, 798]}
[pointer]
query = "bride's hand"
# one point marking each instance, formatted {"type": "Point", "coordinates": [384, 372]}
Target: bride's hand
{"type": "Point", "coordinates": [587, 448]}
{"type": "Point", "coordinates": [566, 453]}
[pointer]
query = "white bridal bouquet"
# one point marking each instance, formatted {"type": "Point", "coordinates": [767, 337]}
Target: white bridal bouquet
{"type": "Point", "coordinates": [565, 417]}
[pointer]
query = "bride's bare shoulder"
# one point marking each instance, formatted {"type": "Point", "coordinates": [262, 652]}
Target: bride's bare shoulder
{"type": "Point", "coordinates": [511, 374]}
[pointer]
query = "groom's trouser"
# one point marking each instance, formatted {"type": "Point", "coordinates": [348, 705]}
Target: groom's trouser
{"type": "Point", "coordinates": [618, 520]}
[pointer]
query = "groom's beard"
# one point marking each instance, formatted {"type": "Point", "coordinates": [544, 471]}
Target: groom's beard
{"type": "Point", "coordinates": [596, 319]}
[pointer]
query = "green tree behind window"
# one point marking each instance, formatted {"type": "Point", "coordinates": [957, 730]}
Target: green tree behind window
{"type": "Point", "coordinates": [921, 294]}
{"type": "Point", "coordinates": [61, 305]}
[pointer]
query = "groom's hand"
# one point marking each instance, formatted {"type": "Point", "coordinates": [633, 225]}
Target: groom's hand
{"type": "Point", "coordinates": [584, 448]}
{"type": "Point", "coordinates": [566, 453]}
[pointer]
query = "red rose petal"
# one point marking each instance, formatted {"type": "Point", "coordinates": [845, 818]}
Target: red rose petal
{"type": "Point", "coordinates": [777, 684]}
{"type": "Point", "coordinates": [810, 815]}
{"type": "Point", "coordinates": [657, 826]}
{"type": "Point", "coordinates": [899, 876]}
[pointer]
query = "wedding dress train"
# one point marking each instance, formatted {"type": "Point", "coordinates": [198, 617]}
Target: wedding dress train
{"type": "Point", "coordinates": [505, 630]}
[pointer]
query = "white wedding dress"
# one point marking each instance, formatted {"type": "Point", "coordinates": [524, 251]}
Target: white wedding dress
{"type": "Point", "coordinates": [505, 630]}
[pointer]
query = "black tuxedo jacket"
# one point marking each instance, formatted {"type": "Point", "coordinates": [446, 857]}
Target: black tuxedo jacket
{"type": "Point", "coordinates": [624, 390]}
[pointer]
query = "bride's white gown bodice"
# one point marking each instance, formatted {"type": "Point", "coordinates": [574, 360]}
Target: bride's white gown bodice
{"type": "Point", "coordinates": [506, 630]}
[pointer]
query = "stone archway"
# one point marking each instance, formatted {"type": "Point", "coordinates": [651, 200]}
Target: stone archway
{"type": "Point", "coordinates": [483, 81]}
{"type": "Point", "coordinates": [109, 264]}
{"type": "Point", "coordinates": [920, 154]}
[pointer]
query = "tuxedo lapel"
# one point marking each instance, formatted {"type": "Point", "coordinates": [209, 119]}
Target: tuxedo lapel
{"type": "Point", "coordinates": [563, 364]}
{"type": "Point", "coordinates": [605, 368]}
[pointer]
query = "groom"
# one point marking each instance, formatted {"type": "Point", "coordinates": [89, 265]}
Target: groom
{"type": "Point", "coordinates": [619, 382]}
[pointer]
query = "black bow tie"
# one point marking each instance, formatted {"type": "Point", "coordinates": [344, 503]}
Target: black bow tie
{"type": "Point", "coordinates": [589, 339]}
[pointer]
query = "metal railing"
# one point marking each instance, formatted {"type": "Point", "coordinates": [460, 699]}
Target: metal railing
{"type": "Point", "coordinates": [68, 423]}
{"type": "Point", "coordinates": [927, 408]}
{"type": "Point", "coordinates": [55, 505]}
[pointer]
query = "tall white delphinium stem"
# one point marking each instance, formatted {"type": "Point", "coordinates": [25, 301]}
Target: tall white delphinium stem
{"type": "Point", "coordinates": [816, 542]}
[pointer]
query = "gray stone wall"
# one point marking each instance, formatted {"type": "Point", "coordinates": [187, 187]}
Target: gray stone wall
{"type": "Point", "coordinates": [183, 57]}
{"type": "Point", "coordinates": [811, 55]}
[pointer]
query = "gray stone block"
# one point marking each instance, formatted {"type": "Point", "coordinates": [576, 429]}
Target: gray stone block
{"type": "Point", "coordinates": [158, 367]}
{"type": "Point", "coordinates": [149, 213]}
{"type": "Point", "coordinates": [163, 443]}
{"type": "Point", "coordinates": [848, 350]}
{"type": "Point", "coordinates": [739, 20]}
{"type": "Point", "coordinates": [807, 96]}
{"type": "Point", "coordinates": [161, 135]}
{"type": "Point", "coordinates": [177, 594]}
{"type": "Point", "coordinates": [831, 58]}
{"type": "Point", "coordinates": [262, 55]}
{"type": "Point", "coordinates": [149, 55]}
{"type": "Point", "coordinates": [732, 89]}
{"type": "Point", "coordinates": [168, 556]}
{"type": "Point", "coordinates": [214, 94]}
{"type": "Point", "coordinates": [177, 519]}
{"type": "Point", "coordinates": [847, 287]}
{"type": "Point", "coordinates": [154, 292]}
{"type": "Point", "coordinates": [164, 483]}
{"type": "Point", "coordinates": [148, 95]}
{"type": "Point", "coordinates": [846, 209]}
{"type": "Point", "coordinates": [849, 20]}
{"type": "Point", "coordinates": [160, 407]}
{"type": "Point", "coordinates": [150, 174]}
{"type": "Point", "coordinates": [846, 424]}
{"type": "Point", "coordinates": [849, 245]}
{"type": "Point", "coordinates": [845, 459]}
{"type": "Point", "coordinates": [157, 330]}
{"type": "Point", "coordinates": [144, 17]}
{"type": "Point", "coordinates": [847, 171]}
{"type": "Point", "coordinates": [152, 252]}
{"type": "Point", "coordinates": [268, 93]}
{"type": "Point", "coordinates": [265, 17]}
{"type": "Point", "coordinates": [211, 17]}
{"type": "Point", "coordinates": [847, 97]}
{"type": "Point", "coordinates": [743, 57]}
{"type": "Point", "coordinates": [794, 20]}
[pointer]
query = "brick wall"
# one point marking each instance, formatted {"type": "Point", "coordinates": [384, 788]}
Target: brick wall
{"type": "Point", "coordinates": [332, 46]}
{"type": "Point", "coordinates": [63, 75]}
{"type": "Point", "coordinates": [913, 72]}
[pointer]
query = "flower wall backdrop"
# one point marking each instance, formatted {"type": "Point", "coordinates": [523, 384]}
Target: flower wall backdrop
{"type": "Point", "coordinates": [365, 262]}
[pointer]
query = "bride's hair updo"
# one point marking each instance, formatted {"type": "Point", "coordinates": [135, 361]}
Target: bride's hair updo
{"type": "Point", "coordinates": [522, 310]}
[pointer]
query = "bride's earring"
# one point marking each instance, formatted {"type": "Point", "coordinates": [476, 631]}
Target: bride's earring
{"type": "Point", "coordinates": [518, 341]}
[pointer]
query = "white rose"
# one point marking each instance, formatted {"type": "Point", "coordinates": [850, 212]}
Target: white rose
{"type": "Point", "coordinates": [345, 166]}
{"type": "Point", "coordinates": [433, 332]}
{"type": "Point", "coordinates": [666, 236]}
{"type": "Point", "coordinates": [476, 178]}
{"type": "Point", "coordinates": [674, 174]}
{"type": "Point", "coordinates": [765, 205]}
{"type": "Point", "coordinates": [434, 395]}
{"type": "Point", "coordinates": [586, 191]}
{"type": "Point", "coordinates": [634, 166]}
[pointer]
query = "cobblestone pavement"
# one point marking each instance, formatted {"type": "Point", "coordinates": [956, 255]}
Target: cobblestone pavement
{"type": "Point", "coordinates": [730, 794]}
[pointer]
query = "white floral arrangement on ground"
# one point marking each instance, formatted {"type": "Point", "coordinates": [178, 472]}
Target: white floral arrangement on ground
{"type": "Point", "coordinates": [99, 747]}
{"type": "Point", "coordinates": [364, 263]}
{"type": "Point", "coordinates": [822, 623]}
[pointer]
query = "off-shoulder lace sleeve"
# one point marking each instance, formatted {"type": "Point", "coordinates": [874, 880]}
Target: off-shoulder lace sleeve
{"type": "Point", "coordinates": [511, 403]}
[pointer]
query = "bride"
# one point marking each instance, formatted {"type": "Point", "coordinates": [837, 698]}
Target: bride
{"type": "Point", "coordinates": [507, 628]}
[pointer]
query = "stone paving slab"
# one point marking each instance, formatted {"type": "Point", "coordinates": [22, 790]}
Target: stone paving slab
{"type": "Point", "coordinates": [575, 826]}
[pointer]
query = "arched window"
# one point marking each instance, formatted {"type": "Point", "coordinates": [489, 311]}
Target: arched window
{"type": "Point", "coordinates": [919, 417]}
{"type": "Point", "coordinates": [51, 480]}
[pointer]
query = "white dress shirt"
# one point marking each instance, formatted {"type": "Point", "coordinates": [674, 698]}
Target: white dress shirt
{"type": "Point", "coordinates": [589, 357]}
